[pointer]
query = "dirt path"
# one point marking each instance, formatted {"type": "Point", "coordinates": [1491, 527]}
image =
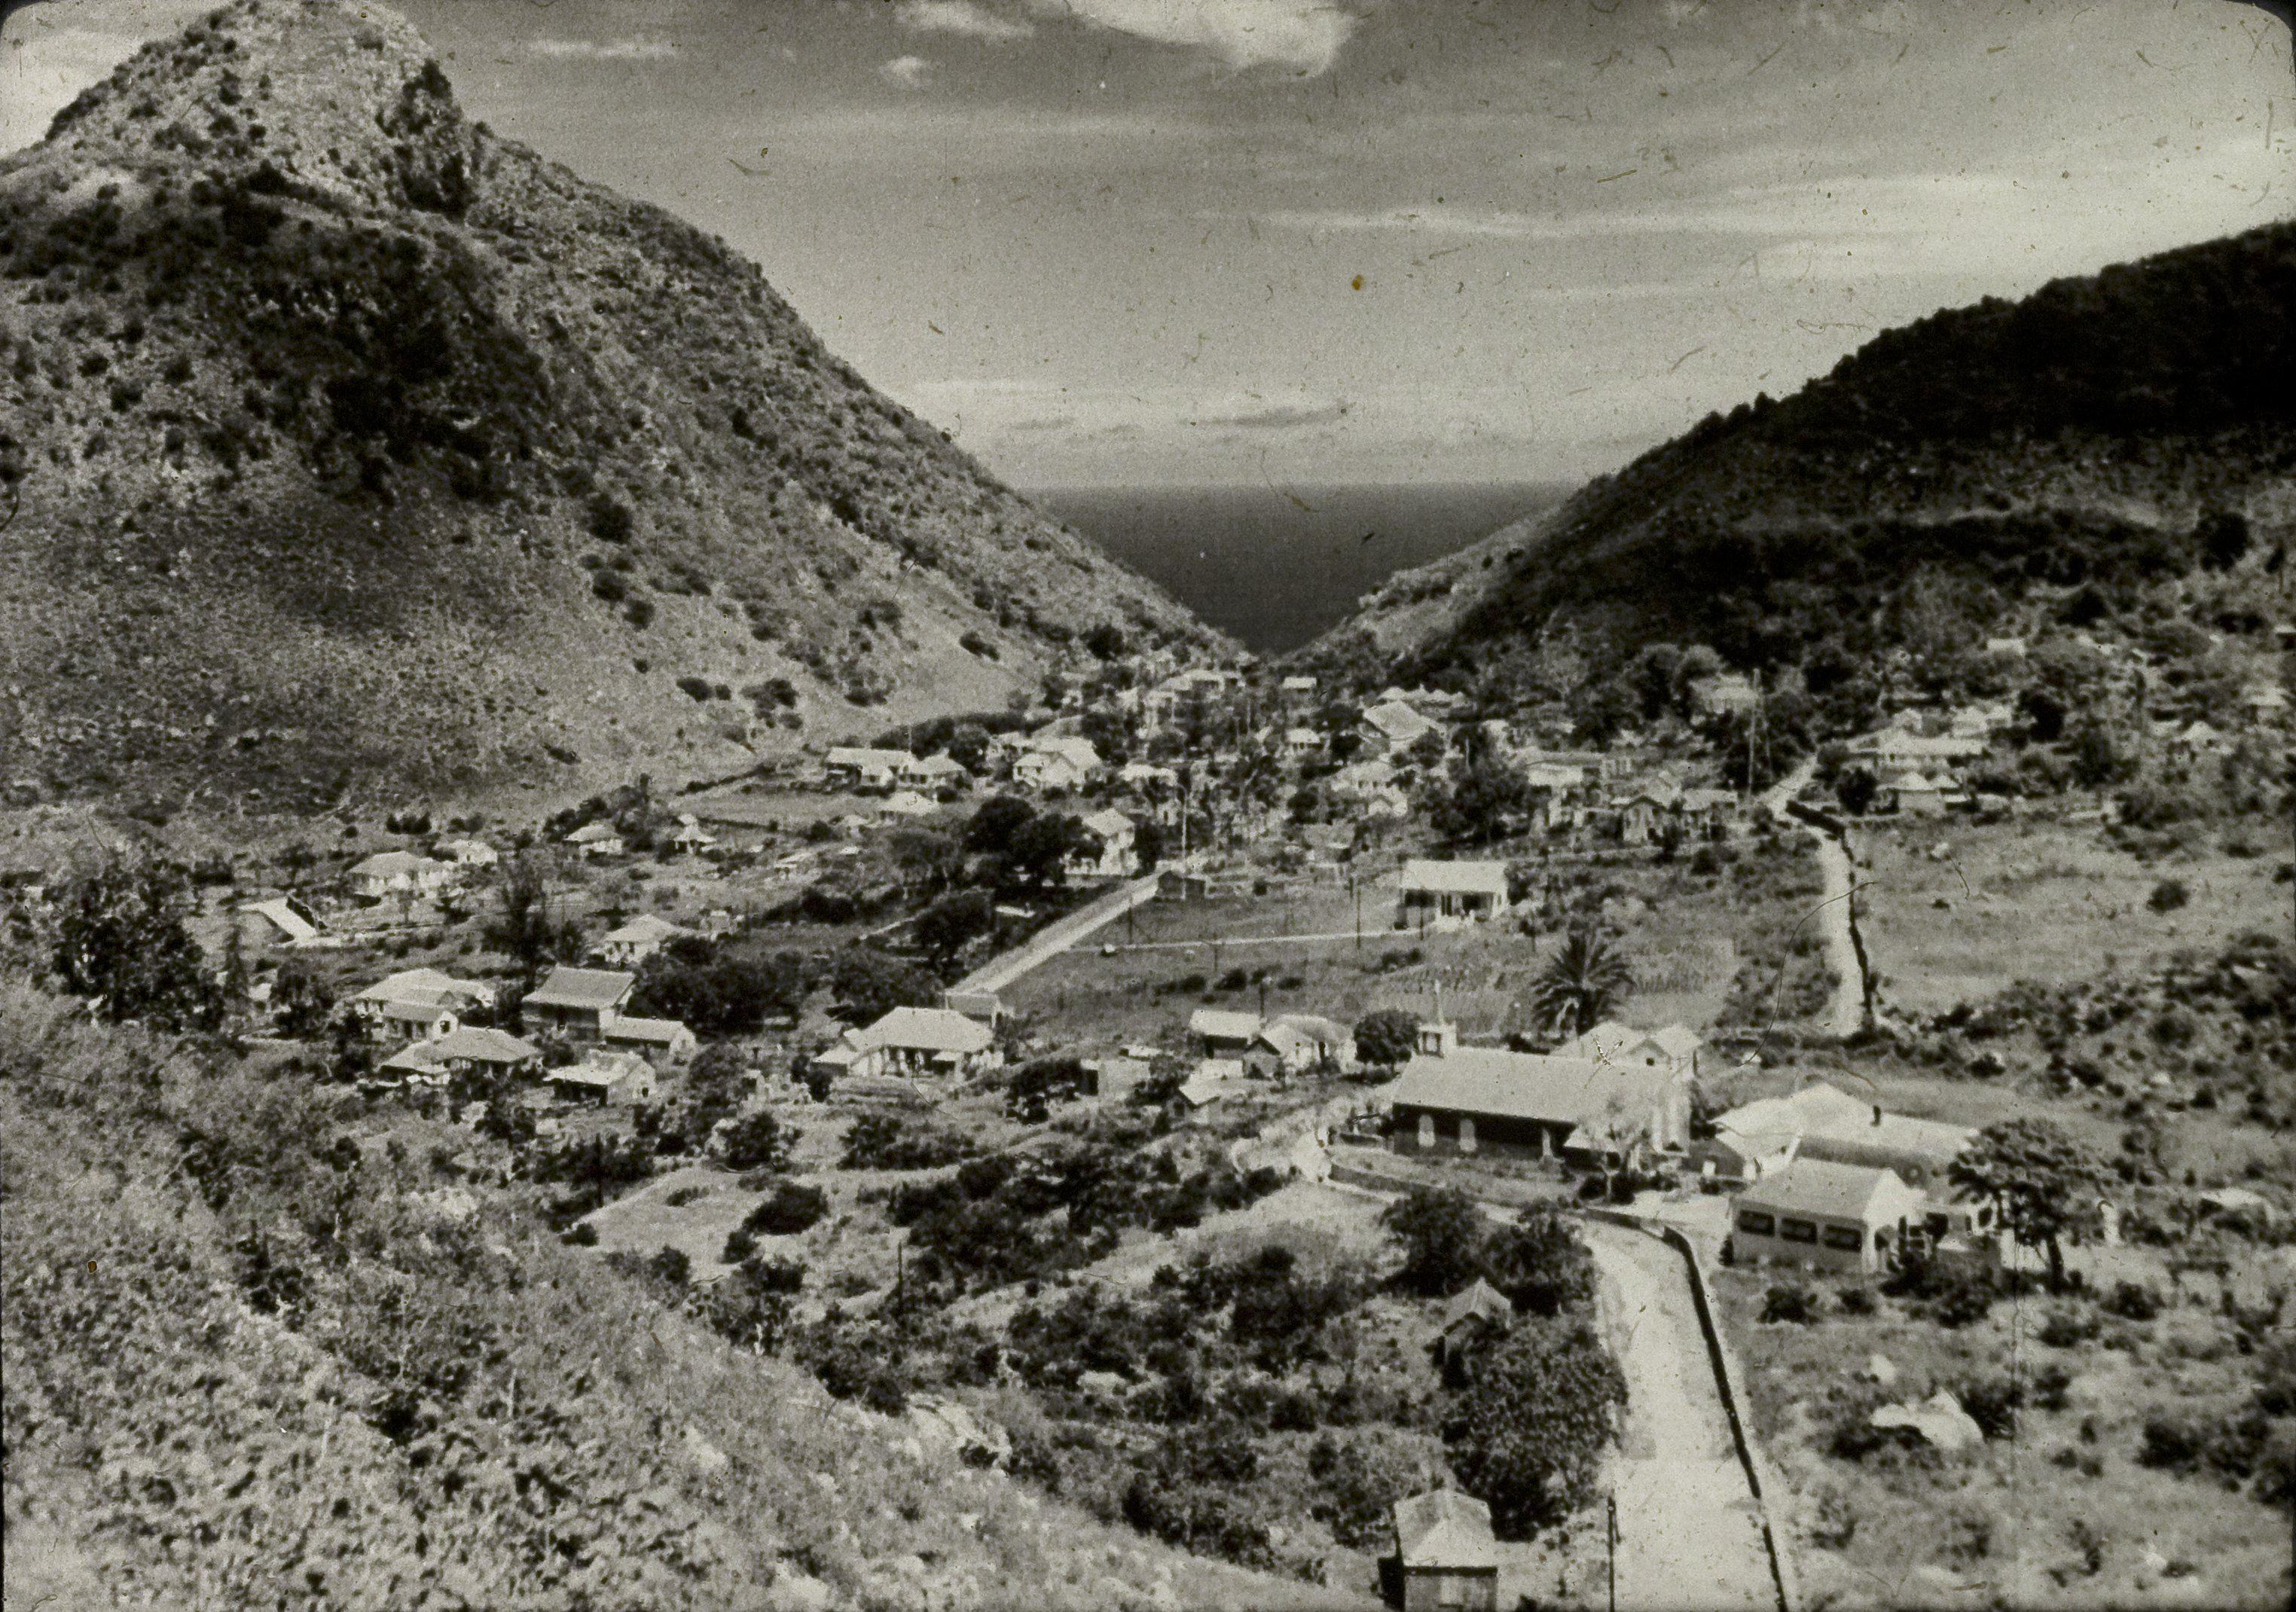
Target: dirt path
{"type": "Point", "coordinates": [1689, 1532]}
{"type": "Point", "coordinates": [1845, 1013]}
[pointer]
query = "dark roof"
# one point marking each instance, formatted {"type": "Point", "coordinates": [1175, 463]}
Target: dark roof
{"type": "Point", "coordinates": [583, 989]}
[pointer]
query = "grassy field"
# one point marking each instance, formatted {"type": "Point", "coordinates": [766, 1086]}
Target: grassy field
{"type": "Point", "coordinates": [2041, 900]}
{"type": "Point", "coordinates": [1692, 935]}
{"type": "Point", "coordinates": [2055, 1510]}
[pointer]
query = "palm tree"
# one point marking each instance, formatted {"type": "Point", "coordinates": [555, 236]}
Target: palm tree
{"type": "Point", "coordinates": [1581, 984]}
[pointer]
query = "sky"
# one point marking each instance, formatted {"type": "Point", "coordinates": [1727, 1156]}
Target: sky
{"type": "Point", "coordinates": [1141, 242]}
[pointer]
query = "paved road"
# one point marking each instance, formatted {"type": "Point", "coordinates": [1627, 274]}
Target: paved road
{"type": "Point", "coordinates": [1049, 942]}
{"type": "Point", "coordinates": [1845, 1014]}
{"type": "Point", "coordinates": [1690, 1534]}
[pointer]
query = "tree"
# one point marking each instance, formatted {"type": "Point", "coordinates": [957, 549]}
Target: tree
{"type": "Point", "coordinates": [949, 925]}
{"type": "Point", "coordinates": [1855, 788]}
{"type": "Point", "coordinates": [1039, 853]}
{"type": "Point", "coordinates": [968, 745]}
{"type": "Point", "coordinates": [299, 1005]}
{"type": "Point", "coordinates": [1527, 1433]}
{"type": "Point", "coordinates": [2097, 755]}
{"type": "Point", "coordinates": [1386, 1038]}
{"type": "Point", "coordinates": [1441, 1231]}
{"type": "Point", "coordinates": [868, 984]}
{"type": "Point", "coordinates": [933, 857]}
{"type": "Point", "coordinates": [2223, 539]}
{"type": "Point", "coordinates": [1581, 984]}
{"type": "Point", "coordinates": [1106, 640]}
{"type": "Point", "coordinates": [523, 931]}
{"type": "Point", "coordinates": [1541, 1263]}
{"type": "Point", "coordinates": [717, 995]}
{"type": "Point", "coordinates": [755, 1141]}
{"type": "Point", "coordinates": [120, 941]}
{"type": "Point", "coordinates": [1483, 804]}
{"type": "Point", "coordinates": [2041, 1182]}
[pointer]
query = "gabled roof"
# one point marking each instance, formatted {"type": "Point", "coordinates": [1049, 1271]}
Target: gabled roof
{"type": "Point", "coordinates": [643, 929]}
{"type": "Point", "coordinates": [1399, 722]}
{"type": "Point", "coordinates": [1223, 1026]}
{"type": "Point", "coordinates": [1456, 878]}
{"type": "Point", "coordinates": [1298, 684]}
{"type": "Point", "coordinates": [1109, 824]}
{"type": "Point", "coordinates": [1078, 753]}
{"type": "Point", "coordinates": [391, 864]}
{"type": "Point", "coordinates": [866, 759]}
{"type": "Point", "coordinates": [414, 985]}
{"type": "Point", "coordinates": [1310, 1026]}
{"type": "Point", "coordinates": [593, 833]}
{"type": "Point", "coordinates": [484, 1046]}
{"type": "Point", "coordinates": [649, 1032]}
{"type": "Point", "coordinates": [940, 767]}
{"type": "Point", "coordinates": [1812, 1187]}
{"type": "Point", "coordinates": [1444, 1528]}
{"type": "Point", "coordinates": [1480, 1301]}
{"type": "Point", "coordinates": [583, 989]}
{"type": "Point", "coordinates": [929, 1030]}
{"type": "Point", "coordinates": [283, 916]}
{"type": "Point", "coordinates": [1528, 1085]}
{"type": "Point", "coordinates": [1610, 1042]}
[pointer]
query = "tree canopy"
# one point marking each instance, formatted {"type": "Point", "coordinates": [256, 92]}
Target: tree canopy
{"type": "Point", "coordinates": [1528, 1432]}
{"type": "Point", "coordinates": [2041, 1182]}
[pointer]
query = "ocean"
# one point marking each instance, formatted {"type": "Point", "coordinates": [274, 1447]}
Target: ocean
{"type": "Point", "coordinates": [1274, 566]}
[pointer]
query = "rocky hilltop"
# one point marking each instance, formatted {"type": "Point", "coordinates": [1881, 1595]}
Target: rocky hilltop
{"type": "Point", "coordinates": [1993, 470]}
{"type": "Point", "coordinates": [349, 444]}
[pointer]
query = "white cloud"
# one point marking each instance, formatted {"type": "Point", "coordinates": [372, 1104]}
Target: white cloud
{"type": "Point", "coordinates": [1305, 36]}
{"type": "Point", "coordinates": [959, 16]}
{"type": "Point", "coordinates": [911, 72]}
{"type": "Point", "coordinates": [601, 50]}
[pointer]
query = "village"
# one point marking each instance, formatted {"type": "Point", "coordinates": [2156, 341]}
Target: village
{"type": "Point", "coordinates": [1293, 962]}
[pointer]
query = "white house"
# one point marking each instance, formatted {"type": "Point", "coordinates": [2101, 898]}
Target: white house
{"type": "Point", "coordinates": [929, 1042]}
{"type": "Point", "coordinates": [1471, 891]}
{"type": "Point", "coordinates": [1451, 1097]}
{"type": "Point", "coordinates": [692, 840]}
{"type": "Point", "coordinates": [938, 773]}
{"type": "Point", "coordinates": [595, 839]}
{"type": "Point", "coordinates": [1673, 1049]}
{"type": "Point", "coordinates": [1116, 838]}
{"type": "Point", "coordinates": [398, 872]}
{"type": "Point", "coordinates": [1896, 747]}
{"type": "Point", "coordinates": [638, 939]}
{"type": "Point", "coordinates": [1062, 763]}
{"type": "Point", "coordinates": [1394, 727]}
{"type": "Point", "coordinates": [1826, 1216]}
{"type": "Point", "coordinates": [470, 852]}
{"type": "Point", "coordinates": [866, 768]}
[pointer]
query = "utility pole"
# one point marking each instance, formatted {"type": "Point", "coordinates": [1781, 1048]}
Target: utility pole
{"type": "Point", "coordinates": [1611, 1506]}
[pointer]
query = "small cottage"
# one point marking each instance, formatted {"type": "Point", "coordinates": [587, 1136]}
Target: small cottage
{"type": "Point", "coordinates": [1446, 1558]}
{"type": "Point", "coordinates": [1825, 1216]}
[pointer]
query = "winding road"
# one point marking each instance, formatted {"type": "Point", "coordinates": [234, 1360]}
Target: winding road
{"type": "Point", "coordinates": [1845, 1013]}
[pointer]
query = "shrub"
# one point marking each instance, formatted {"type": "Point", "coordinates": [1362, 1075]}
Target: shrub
{"type": "Point", "coordinates": [790, 1207]}
{"type": "Point", "coordinates": [1993, 1403]}
{"type": "Point", "coordinates": [1789, 1303]}
{"type": "Point", "coordinates": [2168, 896]}
{"type": "Point", "coordinates": [2133, 1301]}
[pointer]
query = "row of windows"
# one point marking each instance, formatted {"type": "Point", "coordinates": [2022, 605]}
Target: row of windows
{"type": "Point", "coordinates": [1754, 1222]}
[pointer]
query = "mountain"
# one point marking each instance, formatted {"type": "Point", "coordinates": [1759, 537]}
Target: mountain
{"type": "Point", "coordinates": [1977, 471]}
{"type": "Point", "coordinates": [349, 444]}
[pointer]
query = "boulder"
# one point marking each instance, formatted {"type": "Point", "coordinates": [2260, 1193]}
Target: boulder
{"type": "Point", "coordinates": [1882, 1370]}
{"type": "Point", "coordinates": [1938, 1420]}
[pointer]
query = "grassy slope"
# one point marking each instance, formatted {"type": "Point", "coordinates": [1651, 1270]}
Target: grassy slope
{"type": "Point", "coordinates": [253, 1356]}
{"type": "Point", "coordinates": [2097, 418]}
{"type": "Point", "coordinates": [331, 414]}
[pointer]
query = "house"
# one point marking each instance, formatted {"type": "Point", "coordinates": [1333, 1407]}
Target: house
{"type": "Point", "coordinates": [1222, 1033]}
{"type": "Point", "coordinates": [472, 1050]}
{"type": "Point", "coordinates": [922, 1041]}
{"type": "Point", "coordinates": [1300, 1041]}
{"type": "Point", "coordinates": [398, 872]}
{"type": "Point", "coordinates": [2201, 740]}
{"type": "Point", "coordinates": [692, 840]}
{"type": "Point", "coordinates": [1726, 694]}
{"type": "Point", "coordinates": [1301, 742]}
{"type": "Point", "coordinates": [1394, 727]}
{"type": "Point", "coordinates": [581, 1004]}
{"type": "Point", "coordinates": [1673, 1049]}
{"type": "Point", "coordinates": [1912, 795]}
{"type": "Point", "coordinates": [1825, 1216]}
{"type": "Point", "coordinates": [1896, 748]}
{"type": "Point", "coordinates": [1469, 1099]}
{"type": "Point", "coordinates": [418, 1004]}
{"type": "Point", "coordinates": [2008, 648]}
{"type": "Point", "coordinates": [1758, 1138]}
{"type": "Point", "coordinates": [1211, 1080]}
{"type": "Point", "coordinates": [1707, 812]}
{"type": "Point", "coordinates": [1644, 814]}
{"type": "Point", "coordinates": [415, 1064]}
{"type": "Point", "coordinates": [1117, 840]}
{"type": "Point", "coordinates": [619, 1078]}
{"type": "Point", "coordinates": [1055, 764]}
{"type": "Point", "coordinates": [595, 839]}
{"type": "Point", "coordinates": [857, 766]}
{"type": "Point", "coordinates": [667, 1039]}
{"type": "Point", "coordinates": [1475, 1314]}
{"type": "Point", "coordinates": [470, 852]}
{"type": "Point", "coordinates": [1468, 891]}
{"type": "Point", "coordinates": [1919, 1151]}
{"type": "Point", "coordinates": [1983, 719]}
{"type": "Point", "coordinates": [294, 921]}
{"type": "Point", "coordinates": [1297, 686]}
{"type": "Point", "coordinates": [937, 773]}
{"type": "Point", "coordinates": [1446, 1558]}
{"type": "Point", "coordinates": [637, 940]}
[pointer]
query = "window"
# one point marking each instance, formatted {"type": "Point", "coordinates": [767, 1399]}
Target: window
{"type": "Point", "coordinates": [1797, 1231]}
{"type": "Point", "coordinates": [1466, 1134]}
{"type": "Point", "coordinates": [1755, 1224]}
{"type": "Point", "coordinates": [1426, 1131]}
{"type": "Point", "coordinates": [1844, 1237]}
{"type": "Point", "coordinates": [1450, 1588]}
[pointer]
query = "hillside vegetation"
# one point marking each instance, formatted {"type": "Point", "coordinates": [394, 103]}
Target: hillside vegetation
{"type": "Point", "coordinates": [343, 439]}
{"type": "Point", "coordinates": [265, 1347]}
{"type": "Point", "coordinates": [2002, 469]}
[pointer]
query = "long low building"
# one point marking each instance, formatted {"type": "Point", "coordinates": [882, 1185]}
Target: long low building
{"type": "Point", "coordinates": [1471, 1099]}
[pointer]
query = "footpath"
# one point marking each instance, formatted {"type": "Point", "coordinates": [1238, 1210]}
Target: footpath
{"type": "Point", "coordinates": [1845, 1013]}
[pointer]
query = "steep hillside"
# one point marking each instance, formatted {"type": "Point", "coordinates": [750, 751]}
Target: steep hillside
{"type": "Point", "coordinates": [264, 1348]}
{"type": "Point", "coordinates": [1964, 474]}
{"type": "Point", "coordinates": [346, 441]}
